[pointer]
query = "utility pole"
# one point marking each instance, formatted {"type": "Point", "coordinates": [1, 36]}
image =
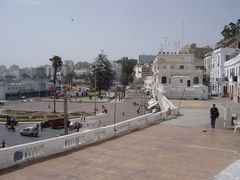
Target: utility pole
{"type": "Point", "coordinates": [95, 84]}
{"type": "Point", "coordinates": [115, 108]}
{"type": "Point", "coordinates": [65, 111]}
{"type": "Point", "coordinates": [144, 102]}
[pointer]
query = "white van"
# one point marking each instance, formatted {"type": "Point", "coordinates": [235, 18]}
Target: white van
{"type": "Point", "coordinates": [30, 131]}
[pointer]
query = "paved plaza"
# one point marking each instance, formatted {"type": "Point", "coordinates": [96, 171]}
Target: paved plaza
{"type": "Point", "coordinates": [182, 148]}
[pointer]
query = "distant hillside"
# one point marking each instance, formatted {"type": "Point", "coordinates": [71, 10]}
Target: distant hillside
{"type": "Point", "coordinates": [81, 65]}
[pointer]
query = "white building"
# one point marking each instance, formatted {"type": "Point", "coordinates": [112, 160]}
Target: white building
{"type": "Point", "coordinates": [2, 68]}
{"type": "Point", "coordinates": [231, 86]}
{"type": "Point", "coordinates": [218, 57]}
{"type": "Point", "coordinates": [142, 71]}
{"type": "Point", "coordinates": [148, 83]}
{"type": "Point", "coordinates": [176, 77]}
{"type": "Point", "coordinates": [30, 88]}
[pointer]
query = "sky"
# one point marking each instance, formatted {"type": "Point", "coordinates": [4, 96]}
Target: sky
{"type": "Point", "coordinates": [33, 31]}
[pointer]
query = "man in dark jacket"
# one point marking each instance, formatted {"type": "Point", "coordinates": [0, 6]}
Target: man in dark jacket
{"type": "Point", "coordinates": [213, 115]}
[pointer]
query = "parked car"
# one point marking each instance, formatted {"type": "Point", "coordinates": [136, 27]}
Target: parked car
{"type": "Point", "coordinates": [30, 131]}
{"type": "Point", "coordinates": [75, 125]}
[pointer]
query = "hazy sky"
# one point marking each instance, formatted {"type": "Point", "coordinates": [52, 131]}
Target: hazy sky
{"type": "Point", "coordinates": [32, 31]}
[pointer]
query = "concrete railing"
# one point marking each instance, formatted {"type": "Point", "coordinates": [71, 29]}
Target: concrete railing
{"type": "Point", "coordinates": [11, 156]}
{"type": "Point", "coordinates": [165, 104]}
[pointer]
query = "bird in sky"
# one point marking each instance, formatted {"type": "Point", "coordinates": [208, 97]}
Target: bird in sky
{"type": "Point", "coordinates": [72, 19]}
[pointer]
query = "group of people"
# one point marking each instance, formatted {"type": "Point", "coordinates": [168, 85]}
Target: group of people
{"type": "Point", "coordinates": [41, 126]}
{"type": "Point", "coordinates": [83, 117]}
{"type": "Point", "coordinates": [11, 123]}
{"type": "Point", "coordinates": [104, 108]}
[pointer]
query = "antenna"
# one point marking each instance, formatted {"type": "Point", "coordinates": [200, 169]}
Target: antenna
{"type": "Point", "coordinates": [165, 42]}
{"type": "Point", "coordinates": [175, 46]}
{"type": "Point", "coordinates": [182, 33]}
{"type": "Point", "coordinates": [178, 44]}
{"type": "Point", "coordinates": [169, 49]}
{"type": "Point", "coordinates": [161, 47]}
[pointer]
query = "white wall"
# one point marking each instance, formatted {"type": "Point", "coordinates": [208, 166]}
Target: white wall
{"type": "Point", "coordinates": [14, 155]}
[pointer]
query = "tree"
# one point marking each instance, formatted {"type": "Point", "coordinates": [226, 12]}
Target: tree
{"type": "Point", "coordinates": [127, 73]}
{"type": "Point", "coordinates": [231, 30]}
{"type": "Point", "coordinates": [101, 75]}
{"type": "Point", "coordinates": [56, 64]}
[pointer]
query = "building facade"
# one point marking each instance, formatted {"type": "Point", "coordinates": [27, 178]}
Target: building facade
{"type": "Point", "coordinates": [176, 77]}
{"type": "Point", "coordinates": [231, 87]}
{"type": "Point", "coordinates": [142, 71]}
{"type": "Point", "coordinates": [218, 58]}
{"type": "Point", "coordinates": [29, 89]}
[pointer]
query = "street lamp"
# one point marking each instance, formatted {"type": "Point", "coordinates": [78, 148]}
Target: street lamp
{"type": "Point", "coordinates": [95, 87]}
{"type": "Point", "coordinates": [65, 110]}
{"type": "Point", "coordinates": [114, 118]}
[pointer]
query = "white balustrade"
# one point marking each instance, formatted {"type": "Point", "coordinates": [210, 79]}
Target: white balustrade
{"type": "Point", "coordinates": [14, 155]}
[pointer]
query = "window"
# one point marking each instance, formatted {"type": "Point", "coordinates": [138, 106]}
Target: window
{"type": "Point", "coordinates": [227, 57]}
{"type": "Point", "coordinates": [181, 67]}
{"type": "Point", "coordinates": [196, 80]}
{"type": "Point", "coordinates": [181, 81]}
{"type": "Point", "coordinates": [172, 66]}
{"type": "Point", "coordinates": [164, 80]}
{"type": "Point", "coordinates": [164, 67]}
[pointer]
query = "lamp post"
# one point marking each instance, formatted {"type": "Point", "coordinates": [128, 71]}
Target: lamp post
{"type": "Point", "coordinates": [39, 92]}
{"type": "Point", "coordinates": [115, 108]}
{"type": "Point", "coordinates": [95, 87]}
{"type": "Point", "coordinates": [65, 110]}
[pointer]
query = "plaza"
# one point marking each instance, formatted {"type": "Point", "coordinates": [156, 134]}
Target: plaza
{"type": "Point", "coordinates": [181, 148]}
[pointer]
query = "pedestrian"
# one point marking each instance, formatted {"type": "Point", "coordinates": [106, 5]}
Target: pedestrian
{"type": "Point", "coordinates": [81, 117]}
{"type": "Point", "coordinates": [84, 118]}
{"type": "Point", "coordinates": [3, 143]}
{"type": "Point", "coordinates": [123, 113]}
{"type": "Point", "coordinates": [214, 115]}
{"type": "Point", "coordinates": [41, 126]}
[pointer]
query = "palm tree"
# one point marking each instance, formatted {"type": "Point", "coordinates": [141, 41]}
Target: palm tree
{"type": "Point", "coordinates": [56, 64]}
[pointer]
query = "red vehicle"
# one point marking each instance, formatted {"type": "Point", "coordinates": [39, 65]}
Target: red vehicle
{"type": "Point", "coordinates": [56, 123]}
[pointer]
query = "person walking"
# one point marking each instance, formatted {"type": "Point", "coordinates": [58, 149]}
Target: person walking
{"type": "Point", "coordinates": [41, 126]}
{"type": "Point", "coordinates": [214, 115]}
{"type": "Point", "coordinates": [3, 143]}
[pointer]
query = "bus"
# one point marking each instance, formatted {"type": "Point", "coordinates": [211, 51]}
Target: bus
{"type": "Point", "coordinates": [56, 123]}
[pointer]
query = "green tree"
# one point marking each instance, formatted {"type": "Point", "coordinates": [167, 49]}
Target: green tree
{"type": "Point", "coordinates": [56, 64]}
{"type": "Point", "coordinates": [101, 76]}
{"type": "Point", "coordinates": [127, 73]}
{"type": "Point", "coordinates": [231, 30]}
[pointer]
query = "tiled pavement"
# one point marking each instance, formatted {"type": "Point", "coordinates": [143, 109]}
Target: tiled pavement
{"type": "Point", "coordinates": [176, 149]}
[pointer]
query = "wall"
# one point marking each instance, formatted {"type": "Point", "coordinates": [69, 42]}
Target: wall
{"type": "Point", "coordinates": [14, 155]}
